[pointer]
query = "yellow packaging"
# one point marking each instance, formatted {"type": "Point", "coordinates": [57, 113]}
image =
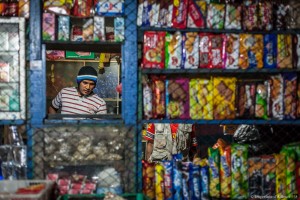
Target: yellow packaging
{"type": "Point", "coordinates": [201, 99]}
{"type": "Point", "coordinates": [148, 179]}
{"type": "Point", "coordinates": [225, 172]}
{"type": "Point", "coordinates": [159, 182]}
{"type": "Point", "coordinates": [251, 44]}
{"type": "Point", "coordinates": [214, 172]}
{"type": "Point", "coordinates": [280, 176]}
{"type": "Point", "coordinates": [284, 51]}
{"type": "Point", "coordinates": [224, 97]}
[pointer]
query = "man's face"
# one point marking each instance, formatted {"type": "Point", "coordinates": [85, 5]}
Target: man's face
{"type": "Point", "coordinates": [86, 87]}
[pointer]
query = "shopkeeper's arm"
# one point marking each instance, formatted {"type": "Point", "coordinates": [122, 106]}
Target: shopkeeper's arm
{"type": "Point", "coordinates": [52, 110]}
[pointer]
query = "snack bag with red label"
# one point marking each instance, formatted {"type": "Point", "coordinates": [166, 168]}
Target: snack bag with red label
{"type": "Point", "coordinates": [173, 50]}
{"type": "Point", "coordinates": [201, 99]}
{"type": "Point", "coordinates": [224, 97]}
{"type": "Point", "coordinates": [179, 15]}
{"type": "Point", "coordinates": [153, 50]}
{"type": "Point", "coordinates": [82, 8]}
{"type": "Point", "coordinates": [290, 93]}
{"type": "Point", "coordinates": [177, 98]}
{"type": "Point", "coordinates": [215, 16]}
{"type": "Point", "coordinates": [233, 16]}
{"type": "Point", "coordinates": [232, 51]}
{"type": "Point", "coordinates": [284, 51]}
{"type": "Point", "coordinates": [196, 14]}
{"type": "Point", "coordinates": [204, 50]}
{"type": "Point", "coordinates": [159, 96]}
{"type": "Point", "coordinates": [265, 15]}
{"type": "Point", "coordinates": [190, 50]}
{"type": "Point", "coordinates": [250, 18]}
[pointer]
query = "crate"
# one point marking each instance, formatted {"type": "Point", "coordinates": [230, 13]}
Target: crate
{"type": "Point", "coordinates": [9, 187]}
{"type": "Point", "coordinates": [127, 196]}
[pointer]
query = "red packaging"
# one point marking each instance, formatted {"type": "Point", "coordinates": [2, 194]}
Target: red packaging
{"type": "Point", "coordinates": [196, 18]}
{"type": "Point", "coordinates": [86, 191]}
{"type": "Point", "coordinates": [250, 18]}
{"type": "Point", "coordinates": [159, 96]}
{"type": "Point", "coordinates": [76, 186]}
{"type": "Point", "coordinates": [63, 181]}
{"type": "Point", "coordinates": [82, 8]}
{"type": "Point", "coordinates": [204, 50]}
{"type": "Point", "coordinates": [179, 15]}
{"type": "Point", "coordinates": [153, 50]}
{"type": "Point", "coordinates": [52, 177]}
{"type": "Point", "coordinates": [74, 191]}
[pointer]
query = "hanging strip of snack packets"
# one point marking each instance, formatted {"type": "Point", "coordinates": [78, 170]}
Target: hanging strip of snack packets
{"type": "Point", "coordinates": [153, 50]}
{"type": "Point", "coordinates": [296, 51]}
{"type": "Point", "coordinates": [276, 96]}
{"type": "Point", "coordinates": [261, 100]}
{"type": "Point", "coordinates": [232, 51]}
{"type": "Point", "coordinates": [159, 182]}
{"type": "Point", "coordinates": [255, 176]}
{"type": "Point", "coordinates": [159, 97]}
{"type": "Point", "coordinates": [190, 53]}
{"type": "Point", "coordinates": [280, 176]}
{"type": "Point", "coordinates": [245, 103]}
{"type": "Point", "coordinates": [268, 175]}
{"type": "Point", "coordinates": [179, 15]}
{"type": "Point", "coordinates": [284, 51]}
{"type": "Point", "coordinates": [250, 17]}
{"type": "Point", "coordinates": [196, 14]}
{"type": "Point", "coordinates": [290, 95]}
{"type": "Point", "coordinates": [265, 15]}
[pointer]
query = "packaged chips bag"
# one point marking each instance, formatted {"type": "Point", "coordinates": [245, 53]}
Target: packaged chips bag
{"type": "Point", "coordinates": [148, 179]}
{"type": "Point", "coordinates": [201, 98]}
{"type": "Point", "coordinates": [261, 100]}
{"type": "Point", "coordinates": [284, 51]}
{"type": "Point", "coordinates": [173, 50]}
{"type": "Point", "coordinates": [224, 97]}
{"type": "Point", "coordinates": [270, 51]}
{"type": "Point", "coordinates": [290, 94]}
{"type": "Point", "coordinates": [239, 171]}
{"type": "Point", "coordinates": [255, 177]}
{"type": "Point", "coordinates": [168, 168]}
{"type": "Point", "coordinates": [276, 96]}
{"type": "Point", "coordinates": [190, 55]}
{"type": "Point", "coordinates": [233, 16]}
{"type": "Point", "coordinates": [196, 14]}
{"type": "Point", "coordinates": [214, 172]}
{"type": "Point", "coordinates": [159, 182]}
{"type": "Point", "coordinates": [232, 51]}
{"type": "Point", "coordinates": [215, 16]}
{"type": "Point", "coordinates": [280, 176]}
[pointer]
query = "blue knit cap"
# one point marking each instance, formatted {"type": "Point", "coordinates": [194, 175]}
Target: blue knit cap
{"type": "Point", "coordinates": [87, 73]}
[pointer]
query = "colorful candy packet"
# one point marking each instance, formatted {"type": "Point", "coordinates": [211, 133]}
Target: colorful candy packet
{"type": "Point", "coordinates": [159, 182]}
{"type": "Point", "coordinates": [148, 179]}
{"type": "Point", "coordinates": [290, 95]}
{"type": "Point", "coordinates": [284, 51]}
{"type": "Point", "coordinates": [214, 172]}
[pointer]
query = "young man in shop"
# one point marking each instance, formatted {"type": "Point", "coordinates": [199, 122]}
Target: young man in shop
{"type": "Point", "coordinates": [165, 140]}
{"type": "Point", "coordinates": [81, 99]}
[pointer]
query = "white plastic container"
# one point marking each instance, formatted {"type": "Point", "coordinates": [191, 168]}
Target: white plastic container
{"type": "Point", "coordinates": [8, 189]}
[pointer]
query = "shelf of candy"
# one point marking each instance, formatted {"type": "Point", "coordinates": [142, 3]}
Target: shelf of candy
{"type": "Point", "coordinates": [228, 171]}
{"type": "Point", "coordinates": [15, 8]}
{"type": "Point", "coordinates": [237, 15]}
{"type": "Point", "coordinates": [272, 97]}
{"type": "Point", "coordinates": [218, 51]}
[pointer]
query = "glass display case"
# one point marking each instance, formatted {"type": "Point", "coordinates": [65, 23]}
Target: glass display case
{"type": "Point", "coordinates": [12, 68]}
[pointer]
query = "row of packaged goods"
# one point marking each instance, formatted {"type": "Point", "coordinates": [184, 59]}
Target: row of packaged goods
{"type": "Point", "coordinates": [228, 173]}
{"type": "Point", "coordinates": [62, 28]}
{"type": "Point", "coordinates": [220, 14]}
{"type": "Point", "coordinates": [218, 97]}
{"type": "Point", "coordinates": [85, 8]}
{"type": "Point", "coordinates": [192, 50]}
{"type": "Point", "coordinates": [14, 8]}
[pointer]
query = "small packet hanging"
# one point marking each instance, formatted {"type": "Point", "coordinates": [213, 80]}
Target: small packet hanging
{"type": "Point", "coordinates": [261, 101]}
{"type": "Point", "coordinates": [215, 16]}
{"type": "Point", "coordinates": [265, 15]}
{"type": "Point", "coordinates": [246, 99]}
{"type": "Point", "coordinates": [147, 99]}
{"type": "Point", "coordinates": [281, 12]}
{"type": "Point", "coordinates": [148, 179]}
{"type": "Point", "coordinates": [159, 97]}
{"type": "Point", "coordinates": [250, 18]}
{"type": "Point", "coordinates": [296, 51]}
{"type": "Point", "coordinates": [204, 50]}
{"type": "Point", "coordinates": [159, 181]}
{"type": "Point", "coordinates": [168, 168]}
{"type": "Point", "coordinates": [214, 175]}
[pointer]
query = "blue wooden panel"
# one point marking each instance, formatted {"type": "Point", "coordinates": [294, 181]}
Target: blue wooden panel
{"type": "Point", "coordinates": [129, 64]}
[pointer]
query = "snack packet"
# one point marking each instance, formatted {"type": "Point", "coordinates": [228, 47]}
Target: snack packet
{"type": "Point", "coordinates": [215, 16]}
